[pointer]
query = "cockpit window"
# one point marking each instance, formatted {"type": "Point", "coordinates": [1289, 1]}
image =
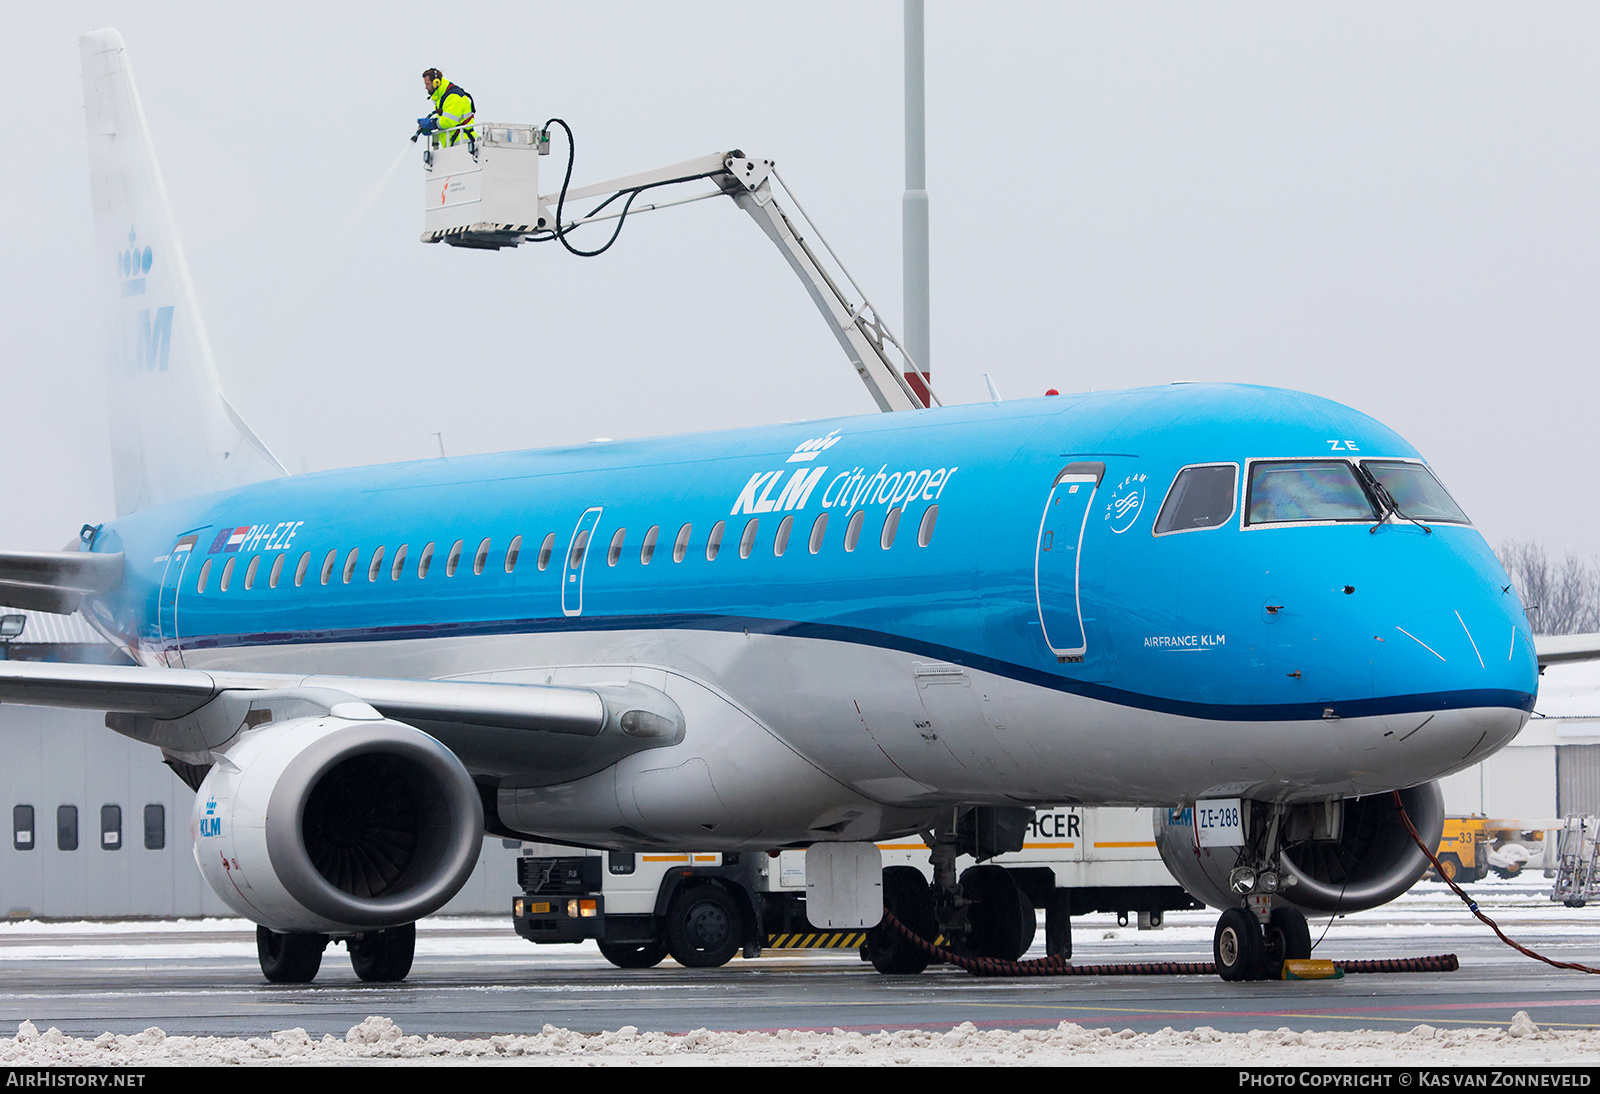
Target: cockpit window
{"type": "Point", "coordinates": [1287, 491]}
{"type": "Point", "coordinates": [1201, 497]}
{"type": "Point", "coordinates": [1416, 493]}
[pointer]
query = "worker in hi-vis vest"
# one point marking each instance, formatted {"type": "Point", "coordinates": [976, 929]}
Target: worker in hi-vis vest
{"type": "Point", "coordinates": [452, 109]}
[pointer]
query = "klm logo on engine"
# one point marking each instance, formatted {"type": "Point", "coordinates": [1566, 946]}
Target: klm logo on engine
{"type": "Point", "coordinates": [211, 824]}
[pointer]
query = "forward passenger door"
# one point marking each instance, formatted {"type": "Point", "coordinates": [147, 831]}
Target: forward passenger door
{"type": "Point", "coordinates": [1056, 561]}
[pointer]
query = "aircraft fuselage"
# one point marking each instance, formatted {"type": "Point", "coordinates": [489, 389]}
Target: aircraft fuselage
{"type": "Point", "coordinates": [1034, 640]}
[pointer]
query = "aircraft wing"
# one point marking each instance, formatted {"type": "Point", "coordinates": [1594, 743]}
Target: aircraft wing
{"type": "Point", "coordinates": [56, 581]}
{"type": "Point", "coordinates": [1556, 648]}
{"type": "Point", "coordinates": [501, 729]}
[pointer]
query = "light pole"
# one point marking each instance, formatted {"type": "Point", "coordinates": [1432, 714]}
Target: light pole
{"type": "Point", "coordinates": [914, 208]}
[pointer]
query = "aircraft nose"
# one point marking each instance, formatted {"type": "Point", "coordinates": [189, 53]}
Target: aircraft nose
{"type": "Point", "coordinates": [1455, 683]}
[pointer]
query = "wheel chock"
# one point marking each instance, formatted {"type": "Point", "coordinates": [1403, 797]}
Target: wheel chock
{"type": "Point", "coordinates": [1311, 969]}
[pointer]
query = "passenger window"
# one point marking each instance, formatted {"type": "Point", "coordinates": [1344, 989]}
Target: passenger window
{"type": "Point", "coordinates": [66, 828]}
{"type": "Point", "coordinates": [327, 564]}
{"type": "Point", "coordinates": [227, 574]}
{"type": "Point", "coordinates": [714, 541]}
{"type": "Point", "coordinates": [481, 559]}
{"type": "Point", "coordinates": [155, 827]}
{"type": "Point", "coordinates": [512, 552]}
{"type": "Point", "coordinates": [681, 546]}
{"type": "Point", "coordinates": [615, 552]}
{"type": "Point", "coordinates": [277, 570]}
{"type": "Point", "coordinates": [747, 542]}
{"type": "Point", "coordinates": [22, 827]}
{"type": "Point", "coordinates": [111, 828]}
{"type": "Point", "coordinates": [350, 563]}
{"type": "Point", "coordinates": [250, 572]}
{"type": "Point", "coordinates": [205, 572]}
{"type": "Point", "coordinates": [891, 525]}
{"type": "Point", "coordinates": [547, 549]}
{"type": "Point", "coordinates": [580, 544]}
{"type": "Point", "coordinates": [1287, 491]}
{"type": "Point", "coordinates": [1415, 491]}
{"type": "Point", "coordinates": [780, 542]}
{"type": "Point", "coordinates": [300, 569]}
{"type": "Point", "coordinates": [852, 531]}
{"type": "Point", "coordinates": [453, 560]}
{"type": "Point", "coordinates": [399, 566]}
{"type": "Point", "coordinates": [819, 529]}
{"type": "Point", "coordinates": [930, 517]}
{"type": "Point", "coordinates": [376, 567]}
{"type": "Point", "coordinates": [1200, 497]}
{"type": "Point", "coordinates": [425, 560]}
{"type": "Point", "coordinates": [648, 550]}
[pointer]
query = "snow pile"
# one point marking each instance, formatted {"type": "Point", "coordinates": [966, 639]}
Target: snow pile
{"type": "Point", "coordinates": [378, 1040]}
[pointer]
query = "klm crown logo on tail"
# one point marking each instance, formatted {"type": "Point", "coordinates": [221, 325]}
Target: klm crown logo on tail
{"type": "Point", "coordinates": [135, 264]}
{"type": "Point", "coordinates": [147, 334]}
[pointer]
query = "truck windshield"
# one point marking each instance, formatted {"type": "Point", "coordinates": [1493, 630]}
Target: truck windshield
{"type": "Point", "coordinates": [1415, 491]}
{"type": "Point", "coordinates": [1287, 491]}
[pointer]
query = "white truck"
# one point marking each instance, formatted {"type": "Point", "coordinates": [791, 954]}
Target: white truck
{"type": "Point", "coordinates": [702, 908]}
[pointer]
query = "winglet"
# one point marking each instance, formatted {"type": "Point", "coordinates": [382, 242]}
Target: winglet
{"type": "Point", "coordinates": [1553, 649]}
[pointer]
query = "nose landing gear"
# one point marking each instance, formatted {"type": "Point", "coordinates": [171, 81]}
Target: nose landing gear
{"type": "Point", "coordinates": [1246, 949]}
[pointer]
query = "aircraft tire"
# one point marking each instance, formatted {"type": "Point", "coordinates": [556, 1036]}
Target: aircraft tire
{"type": "Point", "coordinates": [292, 958]}
{"type": "Point", "coordinates": [1237, 945]}
{"type": "Point", "coordinates": [384, 957]}
{"type": "Point", "coordinates": [1002, 917]}
{"type": "Point", "coordinates": [705, 927]}
{"type": "Point", "coordinates": [634, 955]}
{"type": "Point", "coordinates": [1287, 938]}
{"type": "Point", "coordinates": [907, 896]}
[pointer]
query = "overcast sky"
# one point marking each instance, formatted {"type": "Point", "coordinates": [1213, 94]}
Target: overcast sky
{"type": "Point", "coordinates": [1393, 205]}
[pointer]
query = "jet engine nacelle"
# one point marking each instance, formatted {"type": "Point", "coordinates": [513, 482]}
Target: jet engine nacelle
{"type": "Point", "coordinates": [336, 824]}
{"type": "Point", "coordinates": [1348, 858]}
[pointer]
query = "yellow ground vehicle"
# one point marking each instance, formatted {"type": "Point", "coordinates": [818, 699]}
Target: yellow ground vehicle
{"type": "Point", "coordinates": [1472, 846]}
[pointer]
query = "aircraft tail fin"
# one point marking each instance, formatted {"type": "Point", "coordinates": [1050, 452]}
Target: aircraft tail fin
{"type": "Point", "coordinates": [173, 434]}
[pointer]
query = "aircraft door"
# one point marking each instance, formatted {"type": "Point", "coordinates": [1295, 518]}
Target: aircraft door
{"type": "Point", "coordinates": [577, 554]}
{"type": "Point", "coordinates": [1056, 564]}
{"type": "Point", "coordinates": [167, 605]}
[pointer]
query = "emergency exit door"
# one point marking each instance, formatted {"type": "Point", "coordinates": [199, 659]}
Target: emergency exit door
{"type": "Point", "coordinates": [577, 555]}
{"type": "Point", "coordinates": [1056, 558]}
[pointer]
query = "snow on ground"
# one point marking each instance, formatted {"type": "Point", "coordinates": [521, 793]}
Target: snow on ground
{"type": "Point", "coordinates": [378, 1040]}
{"type": "Point", "coordinates": [1427, 913]}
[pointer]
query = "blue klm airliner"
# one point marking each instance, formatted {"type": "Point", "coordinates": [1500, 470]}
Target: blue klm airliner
{"type": "Point", "coordinates": [821, 633]}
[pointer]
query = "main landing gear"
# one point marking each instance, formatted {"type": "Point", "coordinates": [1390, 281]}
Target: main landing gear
{"type": "Point", "coordinates": [984, 914]}
{"type": "Point", "coordinates": [294, 957]}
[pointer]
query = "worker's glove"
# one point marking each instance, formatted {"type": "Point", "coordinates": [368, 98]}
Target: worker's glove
{"type": "Point", "coordinates": [427, 125]}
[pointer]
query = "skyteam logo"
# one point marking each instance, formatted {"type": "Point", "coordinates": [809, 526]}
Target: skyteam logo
{"type": "Point", "coordinates": [134, 263]}
{"type": "Point", "coordinates": [211, 824]}
{"type": "Point", "coordinates": [1127, 501]}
